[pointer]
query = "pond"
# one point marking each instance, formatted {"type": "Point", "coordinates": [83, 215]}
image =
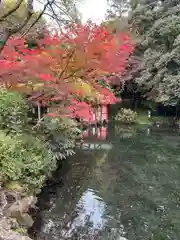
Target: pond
{"type": "Point", "coordinates": [126, 187]}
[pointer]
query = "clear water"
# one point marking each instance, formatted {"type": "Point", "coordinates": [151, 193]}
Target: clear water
{"type": "Point", "coordinates": [129, 189]}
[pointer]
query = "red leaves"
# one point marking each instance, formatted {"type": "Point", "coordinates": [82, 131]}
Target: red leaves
{"type": "Point", "coordinates": [52, 115]}
{"type": "Point", "coordinates": [86, 52]}
{"type": "Point", "coordinates": [80, 110]}
{"type": "Point", "coordinates": [47, 77]}
{"type": "Point", "coordinates": [108, 96]}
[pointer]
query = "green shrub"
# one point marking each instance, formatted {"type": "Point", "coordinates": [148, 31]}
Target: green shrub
{"type": "Point", "coordinates": [31, 158]}
{"type": "Point", "coordinates": [61, 134]}
{"type": "Point", "coordinates": [25, 159]}
{"type": "Point", "coordinates": [13, 112]}
{"type": "Point", "coordinates": [126, 116]}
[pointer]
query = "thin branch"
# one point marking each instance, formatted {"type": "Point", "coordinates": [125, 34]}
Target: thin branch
{"type": "Point", "coordinates": [38, 123]}
{"type": "Point", "coordinates": [57, 21]}
{"type": "Point", "coordinates": [72, 74]}
{"type": "Point", "coordinates": [63, 11]}
{"type": "Point", "coordinates": [9, 32]}
{"type": "Point", "coordinates": [54, 14]}
{"type": "Point", "coordinates": [39, 17]}
{"type": "Point", "coordinates": [2, 18]}
{"type": "Point", "coordinates": [67, 63]}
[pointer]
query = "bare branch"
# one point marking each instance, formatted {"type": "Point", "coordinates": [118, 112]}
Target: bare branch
{"type": "Point", "coordinates": [62, 10]}
{"type": "Point", "coordinates": [62, 13]}
{"type": "Point", "coordinates": [39, 17]}
{"type": "Point", "coordinates": [56, 18]}
{"type": "Point", "coordinates": [67, 64]}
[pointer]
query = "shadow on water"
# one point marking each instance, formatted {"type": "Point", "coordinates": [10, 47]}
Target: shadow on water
{"type": "Point", "coordinates": [127, 189]}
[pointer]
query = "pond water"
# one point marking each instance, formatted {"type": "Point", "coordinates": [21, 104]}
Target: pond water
{"type": "Point", "coordinates": [124, 187]}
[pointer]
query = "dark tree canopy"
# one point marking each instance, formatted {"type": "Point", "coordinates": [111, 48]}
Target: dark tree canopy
{"type": "Point", "coordinates": [159, 24]}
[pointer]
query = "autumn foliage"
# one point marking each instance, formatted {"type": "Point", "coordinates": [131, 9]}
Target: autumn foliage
{"type": "Point", "coordinates": [66, 67]}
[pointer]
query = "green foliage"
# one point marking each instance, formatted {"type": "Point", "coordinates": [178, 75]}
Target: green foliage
{"type": "Point", "coordinates": [61, 134]}
{"type": "Point", "coordinates": [159, 23]}
{"type": "Point", "coordinates": [143, 119]}
{"type": "Point", "coordinates": [25, 159]}
{"type": "Point", "coordinates": [13, 112]}
{"type": "Point", "coordinates": [105, 85]}
{"type": "Point", "coordinates": [21, 230]}
{"type": "Point", "coordinates": [126, 116]}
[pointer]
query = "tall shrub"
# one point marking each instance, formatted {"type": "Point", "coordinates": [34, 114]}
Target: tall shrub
{"type": "Point", "coordinates": [13, 112]}
{"type": "Point", "coordinates": [25, 159]}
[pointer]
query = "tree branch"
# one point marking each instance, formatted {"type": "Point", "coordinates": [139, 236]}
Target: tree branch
{"type": "Point", "coordinates": [9, 32]}
{"type": "Point", "coordinates": [39, 17]}
{"type": "Point", "coordinates": [2, 18]}
{"type": "Point", "coordinates": [4, 39]}
{"type": "Point", "coordinates": [67, 64]}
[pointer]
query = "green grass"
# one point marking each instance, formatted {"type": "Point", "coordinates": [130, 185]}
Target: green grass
{"type": "Point", "coordinates": [143, 119]}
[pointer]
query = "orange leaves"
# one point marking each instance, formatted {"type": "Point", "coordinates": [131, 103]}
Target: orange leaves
{"type": "Point", "coordinates": [66, 66]}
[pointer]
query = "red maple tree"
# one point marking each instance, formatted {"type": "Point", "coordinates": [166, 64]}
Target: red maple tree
{"type": "Point", "coordinates": [66, 67]}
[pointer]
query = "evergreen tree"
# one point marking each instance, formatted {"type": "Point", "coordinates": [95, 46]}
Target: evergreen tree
{"type": "Point", "coordinates": [117, 8]}
{"type": "Point", "coordinates": [159, 24]}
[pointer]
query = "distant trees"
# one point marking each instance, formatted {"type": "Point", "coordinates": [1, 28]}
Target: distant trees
{"type": "Point", "coordinates": [117, 8]}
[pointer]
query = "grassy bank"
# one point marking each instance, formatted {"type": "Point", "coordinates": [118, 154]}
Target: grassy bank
{"type": "Point", "coordinates": [128, 116]}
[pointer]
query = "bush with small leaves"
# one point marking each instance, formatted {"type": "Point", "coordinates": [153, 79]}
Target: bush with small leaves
{"type": "Point", "coordinates": [25, 159]}
{"type": "Point", "coordinates": [126, 116]}
{"type": "Point", "coordinates": [60, 133]}
{"type": "Point", "coordinates": [13, 112]}
{"type": "Point", "coordinates": [30, 158]}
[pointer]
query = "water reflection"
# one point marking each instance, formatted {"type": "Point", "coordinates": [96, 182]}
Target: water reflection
{"type": "Point", "coordinates": [97, 132]}
{"type": "Point", "coordinates": [89, 218]}
{"type": "Point", "coordinates": [128, 192]}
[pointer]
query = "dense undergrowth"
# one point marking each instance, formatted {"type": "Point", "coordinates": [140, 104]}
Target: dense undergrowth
{"type": "Point", "coordinates": [28, 154]}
